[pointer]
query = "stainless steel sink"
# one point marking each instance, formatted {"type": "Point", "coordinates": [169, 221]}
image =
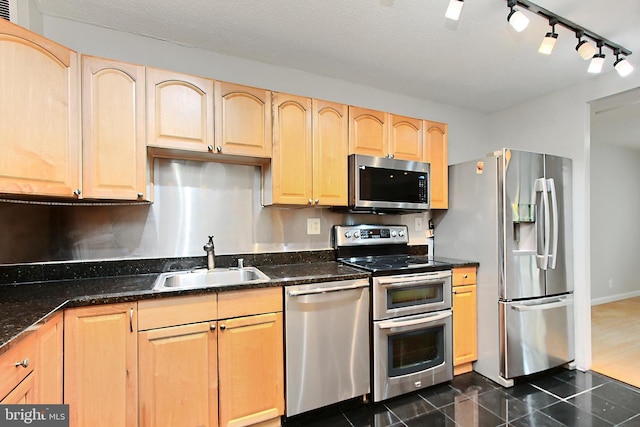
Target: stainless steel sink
{"type": "Point", "coordinates": [209, 278]}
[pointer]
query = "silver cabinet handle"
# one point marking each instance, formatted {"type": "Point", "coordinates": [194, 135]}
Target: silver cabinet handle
{"type": "Point", "coordinates": [77, 192]}
{"type": "Point", "coordinates": [223, 327]}
{"type": "Point", "coordinates": [24, 363]}
{"type": "Point", "coordinates": [210, 148]}
{"type": "Point", "coordinates": [219, 149]}
{"type": "Point", "coordinates": [131, 319]}
{"type": "Point", "coordinates": [465, 276]}
{"type": "Point", "coordinates": [326, 290]}
{"type": "Point", "coordinates": [212, 327]}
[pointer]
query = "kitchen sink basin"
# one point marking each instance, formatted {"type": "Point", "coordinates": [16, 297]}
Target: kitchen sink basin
{"type": "Point", "coordinates": [209, 278]}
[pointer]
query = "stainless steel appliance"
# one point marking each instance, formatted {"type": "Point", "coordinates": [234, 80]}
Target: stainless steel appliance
{"type": "Point", "coordinates": [511, 211]}
{"type": "Point", "coordinates": [327, 343]}
{"type": "Point", "coordinates": [379, 184]}
{"type": "Point", "coordinates": [411, 308]}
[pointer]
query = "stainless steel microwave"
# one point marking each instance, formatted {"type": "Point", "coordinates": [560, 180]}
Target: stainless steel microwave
{"type": "Point", "coordinates": [378, 184]}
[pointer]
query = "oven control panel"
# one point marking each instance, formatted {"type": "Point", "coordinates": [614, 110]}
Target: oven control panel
{"type": "Point", "coordinates": [354, 235]}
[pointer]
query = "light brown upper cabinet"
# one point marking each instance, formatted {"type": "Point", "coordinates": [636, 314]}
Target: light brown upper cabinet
{"type": "Point", "coordinates": [242, 120]}
{"type": "Point", "coordinates": [290, 170]}
{"type": "Point", "coordinates": [380, 134]}
{"type": "Point", "coordinates": [39, 121]}
{"type": "Point", "coordinates": [405, 139]}
{"type": "Point", "coordinates": [330, 151]}
{"type": "Point", "coordinates": [310, 149]}
{"type": "Point", "coordinates": [368, 132]}
{"type": "Point", "coordinates": [436, 155]}
{"type": "Point", "coordinates": [179, 111]}
{"type": "Point", "coordinates": [114, 148]}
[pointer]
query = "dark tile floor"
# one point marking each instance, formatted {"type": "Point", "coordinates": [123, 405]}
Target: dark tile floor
{"type": "Point", "coordinates": [556, 398]}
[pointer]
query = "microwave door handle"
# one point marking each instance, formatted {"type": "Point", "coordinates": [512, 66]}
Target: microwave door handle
{"type": "Point", "coordinates": [553, 256]}
{"type": "Point", "coordinates": [391, 324]}
{"type": "Point", "coordinates": [542, 260]}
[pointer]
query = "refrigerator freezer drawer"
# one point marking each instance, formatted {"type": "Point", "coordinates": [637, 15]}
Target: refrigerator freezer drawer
{"type": "Point", "coordinates": [536, 335]}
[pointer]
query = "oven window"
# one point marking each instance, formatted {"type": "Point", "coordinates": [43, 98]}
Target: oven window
{"type": "Point", "coordinates": [415, 351]}
{"type": "Point", "coordinates": [415, 295]}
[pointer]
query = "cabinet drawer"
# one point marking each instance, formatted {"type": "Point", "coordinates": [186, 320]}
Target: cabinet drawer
{"type": "Point", "coordinates": [11, 374]}
{"type": "Point", "coordinates": [464, 276]}
{"type": "Point", "coordinates": [160, 313]}
{"type": "Point", "coordinates": [249, 302]}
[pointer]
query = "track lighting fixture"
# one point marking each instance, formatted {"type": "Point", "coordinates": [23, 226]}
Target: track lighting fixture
{"type": "Point", "coordinates": [595, 66]}
{"type": "Point", "coordinates": [517, 19]}
{"type": "Point", "coordinates": [622, 66]}
{"type": "Point", "coordinates": [454, 9]}
{"type": "Point", "coordinates": [584, 48]}
{"type": "Point", "coordinates": [549, 40]}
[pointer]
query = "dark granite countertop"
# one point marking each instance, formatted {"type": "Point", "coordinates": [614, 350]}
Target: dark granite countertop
{"type": "Point", "coordinates": [23, 306]}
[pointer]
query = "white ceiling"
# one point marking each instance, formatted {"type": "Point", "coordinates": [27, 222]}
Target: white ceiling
{"type": "Point", "coordinates": [404, 46]}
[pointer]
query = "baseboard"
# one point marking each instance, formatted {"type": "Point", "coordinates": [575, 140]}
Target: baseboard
{"type": "Point", "coordinates": [612, 298]}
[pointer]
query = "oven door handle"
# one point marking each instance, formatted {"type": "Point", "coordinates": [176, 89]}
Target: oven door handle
{"type": "Point", "coordinates": [325, 290]}
{"type": "Point", "coordinates": [414, 279]}
{"type": "Point", "coordinates": [389, 324]}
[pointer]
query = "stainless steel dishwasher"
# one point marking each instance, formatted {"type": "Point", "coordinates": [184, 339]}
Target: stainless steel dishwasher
{"type": "Point", "coordinates": [327, 343]}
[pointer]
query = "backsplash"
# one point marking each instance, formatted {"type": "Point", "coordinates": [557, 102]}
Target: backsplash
{"type": "Point", "coordinates": [192, 200]}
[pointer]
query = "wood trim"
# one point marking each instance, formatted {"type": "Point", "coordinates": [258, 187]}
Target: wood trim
{"type": "Point", "coordinates": [249, 302]}
{"type": "Point", "coordinates": [61, 53]}
{"type": "Point", "coordinates": [160, 313]}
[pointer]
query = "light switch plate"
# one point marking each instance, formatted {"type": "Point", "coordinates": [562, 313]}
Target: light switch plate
{"type": "Point", "coordinates": [313, 225]}
{"type": "Point", "coordinates": [418, 224]}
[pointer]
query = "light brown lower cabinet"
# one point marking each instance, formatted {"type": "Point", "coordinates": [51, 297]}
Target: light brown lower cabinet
{"type": "Point", "coordinates": [178, 376]}
{"type": "Point", "coordinates": [465, 323]}
{"type": "Point", "coordinates": [101, 365]}
{"type": "Point", "coordinates": [31, 371]}
{"type": "Point", "coordinates": [196, 370]}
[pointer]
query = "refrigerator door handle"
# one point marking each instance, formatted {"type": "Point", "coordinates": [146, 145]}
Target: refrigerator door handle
{"type": "Point", "coordinates": [551, 185]}
{"type": "Point", "coordinates": [542, 260]}
{"type": "Point", "coordinates": [544, 306]}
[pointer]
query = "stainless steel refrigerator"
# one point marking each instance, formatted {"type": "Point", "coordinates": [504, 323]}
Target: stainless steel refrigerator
{"type": "Point", "coordinates": [511, 212]}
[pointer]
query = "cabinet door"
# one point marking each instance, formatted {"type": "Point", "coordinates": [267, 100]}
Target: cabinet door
{"type": "Point", "coordinates": [405, 140]}
{"type": "Point", "coordinates": [179, 111]}
{"type": "Point", "coordinates": [330, 151]}
{"type": "Point", "coordinates": [23, 394]}
{"type": "Point", "coordinates": [368, 132]}
{"type": "Point", "coordinates": [49, 367]}
{"type": "Point", "coordinates": [291, 162]}
{"type": "Point", "coordinates": [178, 376]}
{"type": "Point", "coordinates": [251, 369]}
{"type": "Point", "coordinates": [436, 155]}
{"type": "Point", "coordinates": [242, 120]}
{"type": "Point", "coordinates": [39, 124]}
{"type": "Point", "coordinates": [114, 149]}
{"type": "Point", "coordinates": [465, 337]}
{"type": "Point", "coordinates": [101, 365]}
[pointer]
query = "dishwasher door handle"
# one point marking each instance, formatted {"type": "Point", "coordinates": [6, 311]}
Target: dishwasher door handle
{"type": "Point", "coordinates": [325, 290]}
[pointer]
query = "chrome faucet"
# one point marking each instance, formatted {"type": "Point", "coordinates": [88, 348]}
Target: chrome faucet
{"type": "Point", "coordinates": [211, 253]}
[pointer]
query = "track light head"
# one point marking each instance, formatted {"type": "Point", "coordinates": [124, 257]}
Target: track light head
{"type": "Point", "coordinates": [595, 66]}
{"type": "Point", "coordinates": [517, 19]}
{"type": "Point", "coordinates": [585, 49]}
{"type": "Point", "coordinates": [622, 65]}
{"type": "Point", "coordinates": [454, 9]}
{"type": "Point", "coordinates": [549, 40]}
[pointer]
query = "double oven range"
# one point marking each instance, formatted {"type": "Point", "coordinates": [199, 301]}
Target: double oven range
{"type": "Point", "coordinates": [411, 317]}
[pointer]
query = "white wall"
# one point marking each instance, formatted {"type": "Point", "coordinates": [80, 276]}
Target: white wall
{"type": "Point", "coordinates": [467, 129]}
{"type": "Point", "coordinates": [615, 204]}
{"type": "Point", "coordinates": [558, 123]}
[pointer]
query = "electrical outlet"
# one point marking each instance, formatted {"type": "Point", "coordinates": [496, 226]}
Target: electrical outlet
{"type": "Point", "coordinates": [610, 283]}
{"type": "Point", "coordinates": [313, 225]}
{"type": "Point", "coordinates": [418, 224]}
